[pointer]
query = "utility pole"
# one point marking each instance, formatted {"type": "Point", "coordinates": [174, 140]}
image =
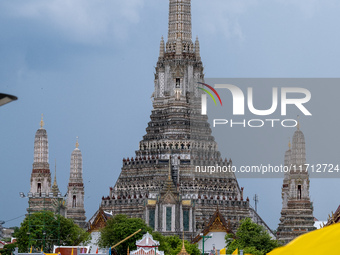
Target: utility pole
{"type": "Point", "coordinates": [204, 238]}
{"type": "Point", "coordinates": [256, 199]}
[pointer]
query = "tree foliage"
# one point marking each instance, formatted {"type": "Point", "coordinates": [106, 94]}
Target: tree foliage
{"type": "Point", "coordinates": [8, 249]}
{"type": "Point", "coordinates": [42, 229]}
{"type": "Point", "coordinates": [251, 238]}
{"type": "Point", "coordinates": [172, 245]}
{"type": "Point", "coordinates": [121, 226]}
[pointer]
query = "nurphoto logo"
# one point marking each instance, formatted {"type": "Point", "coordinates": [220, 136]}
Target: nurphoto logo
{"type": "Point", "coordinates": [239, 100]}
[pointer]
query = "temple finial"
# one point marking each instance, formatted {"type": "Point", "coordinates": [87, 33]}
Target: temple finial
{"type": "Point", "coordinates": [55, 172]}
{"type": "Point", "coordinates": [183, 247]}
{"type": "Point", "coordinates": [42, 121]}
{"type": "Point", "coordinates": [77, 143]}
{"type": "Point", "coordinates": [183, 250]}
{"type": "Point", "coordinates": [169, 174]}
{"type": "Point", "coordinates": [197, 49]}
{"type": "Point", "coordinates": [161, 48]}
{"type": "Point", "coordinates": [55, 188]}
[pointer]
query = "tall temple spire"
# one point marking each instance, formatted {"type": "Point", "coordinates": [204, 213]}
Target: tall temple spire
{"type": "Point", "coordinates": [41, 175]}
{"type": "Point", "coordinates": [75, 190]}
{"type": "Point", "coordinates": [76, 167]}
{"type": "Point", "coordinates": [162, 191]}
{"type": "Point", "coordinates": [41, 148]}
{"type": "Point", "coordinates": [179, 20]}
{"type": "Point", "coordinates": [55, 188]}
{"type": "Point", "coordinates": [297, 209]}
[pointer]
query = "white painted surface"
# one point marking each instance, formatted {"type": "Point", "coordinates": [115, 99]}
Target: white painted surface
{"type": "Point", "coordinates": [217, 240]}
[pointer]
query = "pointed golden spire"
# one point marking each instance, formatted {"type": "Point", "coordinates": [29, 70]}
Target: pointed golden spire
{"type": "Point", "coordinates": [183, 250]}
{"type": "Point", "coordinates": [183, 247]}
{"type": "Point", "coordinates": [42, 121]}
{"type": "Point", "coordinates": [77, 143]}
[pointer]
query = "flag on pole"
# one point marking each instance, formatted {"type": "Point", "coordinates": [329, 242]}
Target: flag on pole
{"type": "Point", "coordinates": [235, 252]}
{"type": "Point", "coordinates": [223, 251]}
{"type": "Point", "coordinates": [97, 251]}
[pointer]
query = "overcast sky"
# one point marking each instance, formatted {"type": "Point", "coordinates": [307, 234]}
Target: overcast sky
{"type": "Point", "coordinates": [88, 66]}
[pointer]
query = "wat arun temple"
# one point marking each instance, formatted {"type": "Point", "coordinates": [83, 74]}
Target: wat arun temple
{"type": "Point", "coordinates": [159, 183]}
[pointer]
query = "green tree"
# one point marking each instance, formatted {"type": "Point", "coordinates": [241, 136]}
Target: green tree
{"type": "Point", "coordinates": [120, 227]}
{"type": "Point", "coordinates": [8, 249]}
{"type": "Point", "coordinates": [251, 238]}
{"type": "Point", "coordinates": [42, 229]}
{"type": "Point", "coordinates": [172, 245]}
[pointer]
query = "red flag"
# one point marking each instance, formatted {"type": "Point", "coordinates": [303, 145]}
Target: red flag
{"type": "Point", "coordinates": [97, 251]}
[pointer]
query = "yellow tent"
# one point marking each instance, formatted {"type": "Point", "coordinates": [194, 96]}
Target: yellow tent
{"type": "Point", "coordinates": [321, 241]}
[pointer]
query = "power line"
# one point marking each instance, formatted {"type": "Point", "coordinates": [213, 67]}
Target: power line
{"type": "Point", "coordinates": [15, 218]}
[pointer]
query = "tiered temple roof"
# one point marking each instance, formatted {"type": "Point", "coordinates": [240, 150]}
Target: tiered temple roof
{"type": "Point", "coordinates": [147, 246]}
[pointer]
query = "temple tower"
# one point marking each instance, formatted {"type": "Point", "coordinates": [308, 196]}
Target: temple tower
{"type": "Point", "coordinates": [297, 209]}
{"type": "Point", "coordinates": [75, 191]}
{"type": "Point", "coordinates": [40, 191]}
{"type": "Point", "coordinates": [160, 183]}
